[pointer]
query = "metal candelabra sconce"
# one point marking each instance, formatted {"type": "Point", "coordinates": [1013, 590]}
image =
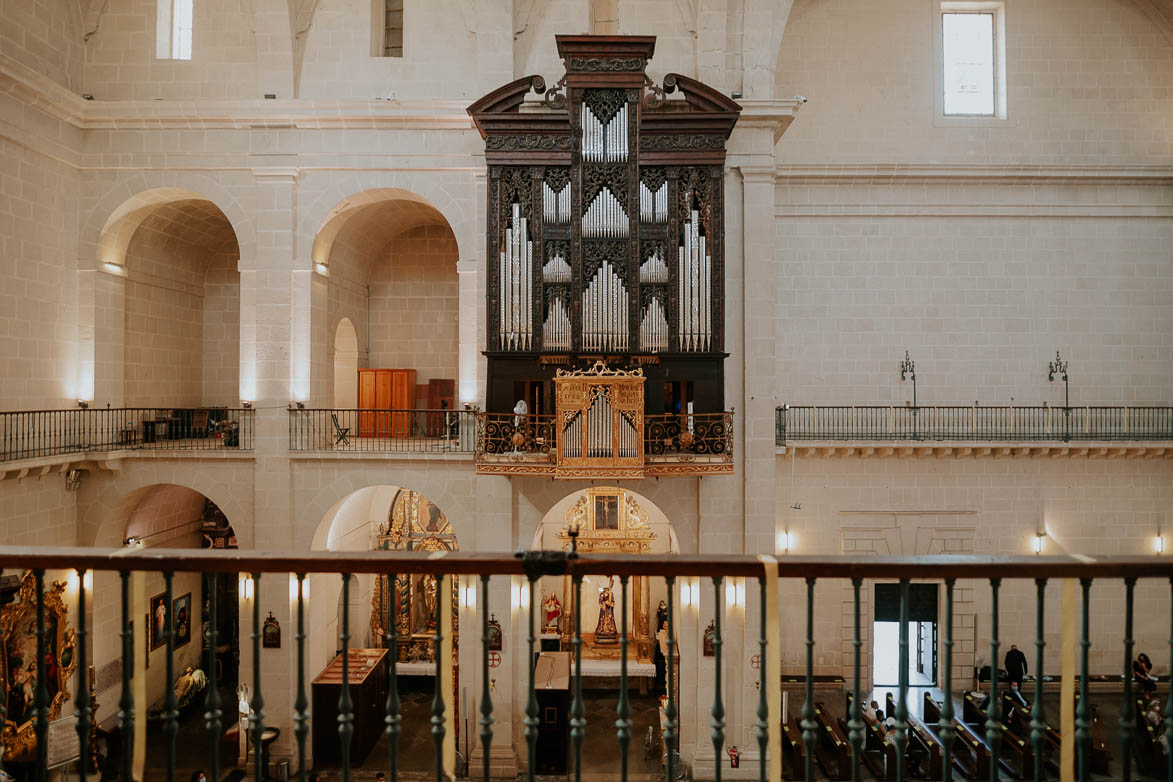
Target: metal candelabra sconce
{"type": "Point", "coordinates": [908, 370]}
{"type": "Point", "coordinates": [1059, 367]}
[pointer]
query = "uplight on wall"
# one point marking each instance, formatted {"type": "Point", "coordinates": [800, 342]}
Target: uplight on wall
{"type": "Point", "coordinates": [246, 588]}
{"type": "Point", "coordinates": [786, 541]}
{"type": "Point", "coordinates": [468, 595]}
{"type": "Point", "coordinates": [518, 594]}
{"type": "Point", "coordinates": [735, 593]}
{"type": "Point", "coordinates": [71, 581]}
{"type": "Point", "coordinates": [1159, 544]}
{"type": "Point", "coordinates": [305, 588]}
{"type": "Point", "coordinates": [1036, 543]}
{"type": "Point", "coordinates": [114, 268]}
{"type": "Point", "coordinates": [321, 268]}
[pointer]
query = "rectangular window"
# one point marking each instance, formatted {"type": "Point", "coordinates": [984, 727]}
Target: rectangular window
{"type": "Point", "coordinates": [173, 26]}
{"type": "Point", "coordinates": [971, 59]}
{"type": "Point", "coordinates": [392, 28]}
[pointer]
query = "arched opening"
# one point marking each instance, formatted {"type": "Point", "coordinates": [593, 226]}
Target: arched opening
{"type": "Point", "coordinates": [390, 260]}
{"type": "Point", "coordinates": [616, 521]}
{"type": "Point", "coordinates": [169, 516]}
{"type": "Point", "coordinates": [345, 365]}
{"type": "Point", "coordinates": [388, 518]}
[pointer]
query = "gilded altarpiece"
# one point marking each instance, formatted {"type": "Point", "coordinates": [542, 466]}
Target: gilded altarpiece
{"type": "Point", "coordinates": [610, 521]}
{"type": "Point", "coordinates": [414, 524]}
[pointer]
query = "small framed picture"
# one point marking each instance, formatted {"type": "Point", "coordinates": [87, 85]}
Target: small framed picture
{"type": "Point", "coordinates": [182, 609]}
{"type": "Point", "coordinates": [158, 622]}
{"type": "Point", "coordinates": [271, 633]}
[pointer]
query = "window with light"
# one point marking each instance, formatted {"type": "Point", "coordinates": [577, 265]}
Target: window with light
{"type": "Point", "coordinates": [972, 59]}
{"type": "Point", "coordinates": [173, 28]}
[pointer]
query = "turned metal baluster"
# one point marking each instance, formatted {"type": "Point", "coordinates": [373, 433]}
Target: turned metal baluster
{"type": "Point", "coordinates": [394, 719]}
{"type": "Point", "coordinates": [345, 702]}
{"type": "Point", "coordinates": [670, 710]}
{"type": "Point", "coordinates": [945, 726]}
{"type": "Point", "coordinates": [1128, 709]}
{"type": "Point", "coordinates": [1083, 736]}
{"type": "Point", "coordinates": [301, 717]}
{"type": "Point", "coordinates": [993, 725]}
{"type": "Point", "coordinates": [1169, 699]}
{"type": "Point", "coordinates": [126, 701]}
{"type": "Point", "coordinates": [577, 709]}
{"type": "Point", "coordinates": [486, 697]}
{"type": "Point", "coordinates": [82, 696]}
{"type": "Point", "coordinates": [623, 710]}
{"type": "Point", "coordinates": [901, 737]}
{"type": "Point", "coordinates": [438, 727]}
{"type": "Point", "coordinates": [762, 726]}
{"type": "Point", "coordinates": [256, 708]}
{"type": "Point", "coordinates": [1038, 725]}
{"type": "Point", "coordinates": [531, 706]}
{"type": "Point", "coordinates": [170, 702]}
{"type": "Point", "coordinates": [212, 715]}
{"type": "Point", "coordinates": [855, 724]}
{"type": "Point", "coordinates": [810, 728]}
{"type": "Point", "coordinates": [718, 705]}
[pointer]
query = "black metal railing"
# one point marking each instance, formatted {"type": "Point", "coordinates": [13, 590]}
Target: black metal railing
{"type": "Point", "coordinates": [1006, 740]}
{"type": "Point", "coordinates": [1001, 423]}
{"type": "Point", "coordinates": [381, 431]}
{"type": "Point", "coordinates": [31, 434]}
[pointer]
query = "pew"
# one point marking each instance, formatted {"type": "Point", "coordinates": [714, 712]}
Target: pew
{"type": "Point", "coordinates": [793, 751]}
{"type": "Point", "coordinates": [1150, 753]}
{"type": "Point", "coordinates": [1017, 752]}
{"type": "Point", "coordinates": [878, 755]}
{"type": "Point", "coordinates": [832, 750]}
{"type": "Point", "coordinates": [932, 764]}
{"type": "Point", "coordinates": [970, 753]}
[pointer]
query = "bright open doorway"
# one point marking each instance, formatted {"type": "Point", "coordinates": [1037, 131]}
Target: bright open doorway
{"type": "Point", "coordinates": [922, 635]}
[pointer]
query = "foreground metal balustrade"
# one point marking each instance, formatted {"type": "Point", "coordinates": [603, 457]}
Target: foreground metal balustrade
{"type": "Point", "coordinates": [533, 565]}
{"type": "Point", "coordinates": [32, 434]}
{"type": "Point", "coordinates": [997, 423]}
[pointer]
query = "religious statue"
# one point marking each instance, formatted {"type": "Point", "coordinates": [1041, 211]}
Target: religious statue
{"type": "Point", "coordinates": [553, 609]}
{"type": "Point", "coordinates": [661, 615]}
{"type": "Point", "coordinates": [430, 601]}
{"type": "Point", "coordinates": [605, 631]}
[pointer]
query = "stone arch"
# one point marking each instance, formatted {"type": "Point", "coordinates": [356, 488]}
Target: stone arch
{"type": "Point", "coordinates": [324, 216]}
{"type": "Point", "coordinates": [345, 364]}
{"type": "Point", "coordinates": [113, 221]}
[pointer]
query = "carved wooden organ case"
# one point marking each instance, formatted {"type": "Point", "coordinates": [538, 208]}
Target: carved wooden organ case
{"type": "Point", "coordinates": [605, 223]}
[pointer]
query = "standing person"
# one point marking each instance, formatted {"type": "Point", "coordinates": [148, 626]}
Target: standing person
{"type": "Point", "coordinates": [1015, 665]}
{"type": "Point", "coordinates": [1141, 673]}
{"type": "Point", "coordinates": [661, 657]}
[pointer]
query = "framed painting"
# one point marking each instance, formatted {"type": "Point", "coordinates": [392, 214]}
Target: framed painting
{"type": "Point", "coordinates": [158, 628]}
{"type": "Point", "coordinates": [19, 669]}
{"type": "Point", "coordinates": [182, 608]}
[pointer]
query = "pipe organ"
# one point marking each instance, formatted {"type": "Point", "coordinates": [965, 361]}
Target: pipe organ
{"type": "Point", "coordinates": [614, 185]}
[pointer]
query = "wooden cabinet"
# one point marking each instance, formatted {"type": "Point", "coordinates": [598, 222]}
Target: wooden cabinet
{"type": "Point", "coordinates": [368, 693]}
{"type": "Point", "coordinates": [384, 390]}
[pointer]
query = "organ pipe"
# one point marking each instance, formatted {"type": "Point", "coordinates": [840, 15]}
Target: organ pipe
{"type": "Point", "coordinates": [653, 328]}
{"type": "Point", "coordinates": [605, 218]}
{"type": "Point", "coordinates": [605, 311]}
{"type": "Point", "coordinates": [556, 269]}
{"type": "Point", "coordinates": [603, 142]}
{"type": "Point", "coordinates": [516, 274]}
{"type": "Point", "coordinates": [556, 205]}
{"type": "Point", "coordinates": [654, 269]}
{"type": "Point", "coordinates": [653, 206]}
{"type": "Point", "coordinates": [556, 329]}
{"type": "Point", "coordinates": [695, 288]}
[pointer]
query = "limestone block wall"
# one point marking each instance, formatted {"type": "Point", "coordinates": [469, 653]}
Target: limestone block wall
{"type": "Point", "coordinates": [46, 37]}
{"type": "Point", "coordinates": [413, 304]}
{"type": "Point", "coordinates": [221, 334]}
{"type": "Point", "coordinates": [981, 288]}
{"type": "Point", "coordinates": [38, 301]}
{"type": "Point", "coordinates": [35, 510]}
{"type": "Point", "coordinates": [1091, 90]}
{"type": "Point", "coordinates": [120, 62]}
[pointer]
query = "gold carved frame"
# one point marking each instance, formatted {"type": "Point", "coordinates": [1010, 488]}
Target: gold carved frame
{"type": "Point", "coordinates": [18, 627]}
{"type": "Point", "coordinates": [575, 392]}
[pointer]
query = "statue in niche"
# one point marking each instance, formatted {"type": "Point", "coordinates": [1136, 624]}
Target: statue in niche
{"type": "Point", "coordinates": [661, 615]}
{"type": "Point", "coordinates": [605, 630]}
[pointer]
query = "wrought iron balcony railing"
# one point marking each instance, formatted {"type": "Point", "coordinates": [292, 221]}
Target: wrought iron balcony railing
{"type": "Point", "coordinates": [381, 431]}
{"type": "Point", "coordinates": [1000, 423]}
{"type": "Point", "coordinates": [32, 434]}
{"type": "Point", "coordinates": [1005, 736]}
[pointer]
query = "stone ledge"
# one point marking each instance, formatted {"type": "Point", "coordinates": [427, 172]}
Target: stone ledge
{"type": "Point", "coordinates": [368, 456]}
{"type": "Point", "coordinates": [111, 461]}
{"type": "Point", "coordinates": [965, 449]}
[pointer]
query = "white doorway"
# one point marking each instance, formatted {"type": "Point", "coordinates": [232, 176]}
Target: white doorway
{"type": "Point", "coordinates": [922, 636]}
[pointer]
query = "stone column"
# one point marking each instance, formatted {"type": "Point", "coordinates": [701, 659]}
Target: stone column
{"type": "Point", "coordinates": [470, 386]}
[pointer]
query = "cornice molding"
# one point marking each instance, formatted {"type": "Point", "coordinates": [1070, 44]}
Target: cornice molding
{"type": "Point", "coordinates": [910, 174]}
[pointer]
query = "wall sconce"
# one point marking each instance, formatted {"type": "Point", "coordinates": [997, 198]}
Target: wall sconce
{"type": "Point", "coordinates": [246, 404]}
{"type": "Point", "coordinates": [300, 405]}
{"type": "Point", "coordinates": [131, 542]}
{"type": "Point", "coordinates": [321, 268]}
{"type": "Point", "coordinates": [72, 581]}
{"type": "Point", "coordinates": [73, 480]}
{"type": "Point", "coordinates": [114, 268]}
{"type": "Point", "coordinates": [305, 588]}
{"type": "Point", "coordinates": [1036, 543]}
{"type": "Point", "coordinates": [786, 541]}
{"type": "Point", "coordinates": [83, 404]}
{"type": "Point", "coordinates": [1159, 544]}
{"type": "Point", "coordinates": [247, 587]}
{"type": "Point", "coordinates": [735, 593]}
{"type": "Point", "coordinates": [468, 596]}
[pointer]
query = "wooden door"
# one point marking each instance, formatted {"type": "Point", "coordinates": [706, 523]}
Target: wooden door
{"type": "Point", "coordinates": [366, 401]}
{"type": "Point", "coordinates": [402, 399]}
{"type": "Point", "coordinates": [384, 401]}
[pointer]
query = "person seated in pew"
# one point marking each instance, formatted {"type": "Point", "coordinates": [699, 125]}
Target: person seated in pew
{"type": "Point", "coordinates": [1016, 695]}
{"type": "Point", "coordinates": [872, 713]}
{"type": "Point", "coordinates": [1153, 715]}
{"type": "Point", "coordinates": [985, 704]}
{"type": "Point", "coordinates": [1142, 668]}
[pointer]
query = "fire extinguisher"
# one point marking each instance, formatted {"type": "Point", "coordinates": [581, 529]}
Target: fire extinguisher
{"type": "Point", "coordinates": [734, 757]}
